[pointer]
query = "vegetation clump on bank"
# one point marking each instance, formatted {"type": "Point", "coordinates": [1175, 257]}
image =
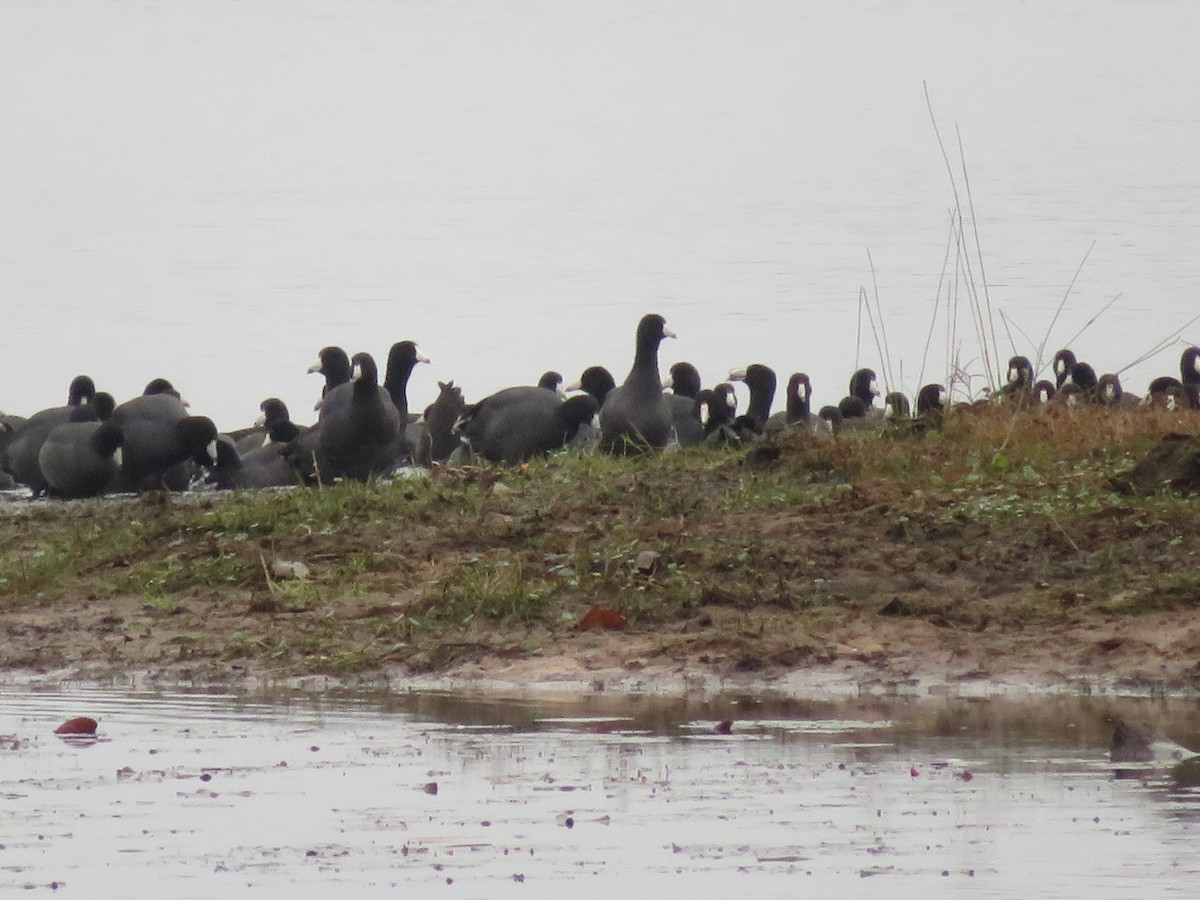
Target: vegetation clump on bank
{"type": "Point", "coordinates": [995, 544]}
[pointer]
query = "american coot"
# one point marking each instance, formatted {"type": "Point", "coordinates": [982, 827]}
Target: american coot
{"type": "Point", "coordinates": [862, 386]}
{"type": "Point", "coordinates": [1189, 370]}
{"type": "Point", "coordinates": [718, 412]}
{"type": "Point", "coordinates": [552, 381]}
{"type": "Point", "coordinates": [1064, 361]}
{"type": "Point", "coordinates": [160, 441]}
{"type": "Point", "coordinates": [798, 411]}
{"type": "Point", "coordinates": [896, 406]}
{"type": "Point", "coordinates": [684, 384]}
{"type": "Point", "coordinates": [1084, 376]}
{"type": "Point", "coordinates": [761, 382]}
{"type": "Point", "coordinates": [21, 459]}
{"type": "Point", "coordinates": [1070, 394]}
{"type": "Point", "coordinates": [1110, 393]}
{"type": "Point", "coordinates": [81, 459]}
{"type": "Point", "coordinates": [402, 359]}
{"type": "Point", "coordinates": [519, 423]}
{"type": "Point", "coordinates": [931, 400]}
{"type": "Point", "coordinates": [274, 424]}
{"type": "Point", "coordinates": [1019, 387]}
{"type": "Point", "coordinates": [683, 380]}
{"type": "Point", "coordinates": [635, 417]}
{"type": "Point", "coordinates": [334, 364]}
{"type": "Point", "coordinates": [9, 426]}
{"type": "Point", "coordinates": [440, 439]}
{"type": "Point", "coordinates": [1020, 373]}
{"type": "Point", "coordinates": [597, 381]}
{"type": "Point", "coordinates": [359, 429]}
{"type": "Point", "coordinates": [162, 386]}
{"type": "Point", "coordinates": [852, 408]}
{"type": "Point", "coordinates": [832, 417]}
{"type": "Point", "coordinates": [1166, 392]}
{"type": "Point", "coordinates": [264, 467]}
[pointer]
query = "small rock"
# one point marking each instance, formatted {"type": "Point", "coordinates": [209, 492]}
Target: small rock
{"type": "Point", "coordinates": [78, 725]}
{"type": "Point", "coordinates": [282, 569]}
{"type": "Point", "coordinates": [600, 617]}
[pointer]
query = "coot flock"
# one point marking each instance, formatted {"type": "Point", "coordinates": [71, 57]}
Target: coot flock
{"type": "Point", "coordinates": [94, 446]}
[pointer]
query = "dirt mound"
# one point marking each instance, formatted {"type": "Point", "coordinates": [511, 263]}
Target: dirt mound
{"type": "Point", "coordinates": [1173, 465]}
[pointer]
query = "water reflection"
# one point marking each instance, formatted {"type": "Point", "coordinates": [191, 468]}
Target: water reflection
{"type": "Point", "coordinates": [501, 796]}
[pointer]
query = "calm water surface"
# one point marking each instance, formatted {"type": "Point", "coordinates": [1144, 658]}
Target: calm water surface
{"type": "Point", "coordinates": [212, 191]}
{"type": "Point", "coordinates": [541, 795]}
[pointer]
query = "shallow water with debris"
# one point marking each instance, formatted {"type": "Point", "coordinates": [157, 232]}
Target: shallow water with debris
{"type": "Point", "coordinates": [483, 795]}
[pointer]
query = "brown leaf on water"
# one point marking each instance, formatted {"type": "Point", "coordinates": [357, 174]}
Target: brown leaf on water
{"type": "Point", "coordinates": [78, 725]}
{"type": "Point", "coordinates": [603, 618]}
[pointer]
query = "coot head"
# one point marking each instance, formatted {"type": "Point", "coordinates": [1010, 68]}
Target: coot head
{"type": "Point", "coordinates": [683, 380]}
{"type": "Point", "coordinates": [81, 390]}
{"type": "Point", "coordinates": [761, 381]}
{"type": "Point", "coordinates": [852, 408]}
{"type": "Point", "coordinates": [1108, 389]}
{"type": "Point", "coordinates": [334, 364]}
{"type": "Point", "coordinates": [1064, 361]}
{"type": "Point", "coordinates": [930, 399]}
{"type": "Point", "coordinates": [596, 380]}
{"type": "Point", "coordinates": [862, 386]}
{"type": "Point", "coordinates": [551, 381]}
{"type": "Point", "coordinates": [1020, 372]}
{"type": "Point", "coordinates": [161, 386]}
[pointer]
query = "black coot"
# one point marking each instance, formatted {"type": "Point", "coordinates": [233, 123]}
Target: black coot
{"type": "Point", "coordinates": [81, 459]}
{"type": "Point", "coordinates": [761, 382]}
{"type": "Point", "coordinates": [359, 433]}
{"type": "Point", "coordinates": [21, 458]}
{"type": "Point", "coordinates": [160, 441]}
{"type": "Point", "coordinates": [519, 423]}
{"type": "Point", "coordinates": [635, 417]}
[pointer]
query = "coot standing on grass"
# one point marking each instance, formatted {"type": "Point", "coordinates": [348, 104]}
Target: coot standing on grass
{"type": "Point", "coordinates": [81, 459]}
{"type": "Point", "coordinates": [21, 458]}
{"type": "Point", "coordinates": [1064, 362]}
{"type": "Point", "coordinates": [518, 423]}
{"type": "Point", "coordinates": [359, 432]}
{"type": "Point", "coordinates": [635, 416]}
{"type": "Point", "coordinates": [402, 359]}
{"type": "Point", "coordinates": [440, 440]}
{"type": "Point", "coordinates": [684, 383]}
{"type": "Point", "coordinates": [160, 441]}
{"type": "Point", "coordinates": [761, 382]}
{"type": "Point", "coordinates": [799, 403]}
{"type": "Point", "coordinates": [1019, 386]}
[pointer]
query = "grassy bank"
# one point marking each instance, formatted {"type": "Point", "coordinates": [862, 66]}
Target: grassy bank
{"type": "Point", "coordinates": [991, 537]}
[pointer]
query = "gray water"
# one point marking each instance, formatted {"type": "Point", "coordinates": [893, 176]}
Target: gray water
{"type": "Point", "coordinates": [200, 795]}
{"type": "Point", "coordinates": [212, 191]}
